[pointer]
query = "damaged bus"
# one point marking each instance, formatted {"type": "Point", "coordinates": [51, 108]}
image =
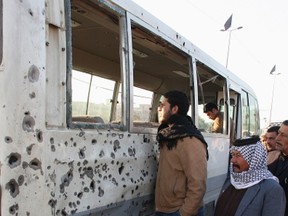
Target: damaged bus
{"type": "Point", "coordinates": [80, 86]}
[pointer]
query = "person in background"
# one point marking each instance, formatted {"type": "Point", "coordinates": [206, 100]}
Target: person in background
{"type": "Point", "coordinates": [272, 152]}
{"type": "Point", "coordinates": [213, 113]}
{"type": "Point", "coordinates": [182, 171]}
{"type": "Point", "coordinates": [279, 167]}
{"type": "Point", "coordinates": [263, 139]}
{"type": "Point", "coordinates": [251, 190]}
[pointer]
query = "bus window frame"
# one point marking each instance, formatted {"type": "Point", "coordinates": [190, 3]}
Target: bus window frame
{"type": "Point", "coordinates": [133, 19]}
{"type": "Point", "coordinates": [193, 87]}
{"type": "Point", "coordinates": [224, 90]}
{"type": "Point", "coordinates": [123, 45]}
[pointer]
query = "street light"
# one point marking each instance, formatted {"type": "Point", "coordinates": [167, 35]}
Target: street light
{"type": "Point", "coordinates": [272, 98]}
{"type": "Point", "coordinates": [229, 40]}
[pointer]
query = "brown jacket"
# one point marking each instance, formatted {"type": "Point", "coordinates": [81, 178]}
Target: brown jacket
{"type": "Point", "coordinates": [217, 126]}
{"type": "Point", "coordinates": [181, 177]}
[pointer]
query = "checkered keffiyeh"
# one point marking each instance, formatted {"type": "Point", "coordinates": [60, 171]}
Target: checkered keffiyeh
{"type": "Point", "coordinates": [256, 156]}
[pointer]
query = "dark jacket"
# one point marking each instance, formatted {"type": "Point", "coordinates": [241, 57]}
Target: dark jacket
{"type": "Point", "coordinates": [279, 168]}
{"type": "Point", "coordinates": [266, 198]}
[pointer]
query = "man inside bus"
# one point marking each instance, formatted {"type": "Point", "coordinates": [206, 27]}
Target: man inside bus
{"type": "Point", "coordinates": [182, 171]}
{"type": "Point", "coordinates": [251, 188]}
{"type": "Point", "coordinates": [214, 113]}
{"type": "Point", "coordinates": [280, 166]}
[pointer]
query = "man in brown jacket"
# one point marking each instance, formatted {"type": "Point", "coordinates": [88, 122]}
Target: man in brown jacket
{"type": "Point", "coordinates": [182, 171]}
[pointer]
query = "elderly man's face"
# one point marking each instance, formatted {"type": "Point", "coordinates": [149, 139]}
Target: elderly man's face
{"type": "Point", "coordinates": [282, 139]}
{"type": "Point", "coordinates": [238, 162]}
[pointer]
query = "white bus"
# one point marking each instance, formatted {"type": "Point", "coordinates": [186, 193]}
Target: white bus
{"type": "Point", "coordinates": [80, 86]}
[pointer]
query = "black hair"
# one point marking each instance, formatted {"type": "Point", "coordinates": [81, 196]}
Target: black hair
{"type": "Point", "coordinates": [209, 106]}
{"type": "Point", "coordinates": [285, 122]}
{"type": "Point", "coordinates": [273, 129]}
{"type": "Point", "coordinates": [178, 98]}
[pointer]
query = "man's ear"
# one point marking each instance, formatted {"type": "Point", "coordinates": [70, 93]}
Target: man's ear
{"type": "Point", "coordinates": [175, 109]}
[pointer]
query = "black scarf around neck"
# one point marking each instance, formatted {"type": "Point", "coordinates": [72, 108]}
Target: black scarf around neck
{"type": "Point", "coordinates": [178, 127]}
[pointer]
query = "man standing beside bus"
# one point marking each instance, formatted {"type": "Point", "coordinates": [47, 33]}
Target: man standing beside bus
{"type": "Point", "coordinates": [279, 167]}
{"type": "Point", "coordinates": [182, 171]}
{"type": "Point", "coordinates": [272, 152]}
{"type": "Point", "coordinates": [251, 190]}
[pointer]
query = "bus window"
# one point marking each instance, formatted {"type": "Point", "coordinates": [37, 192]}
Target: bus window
{"type": "Point", "coordinates": [254, 116]}
{"type": "Point", "coordinates": [158, 67]}
{"type": "Point", "coordinates": [233, 114]}
{"type": "Point", "coordinates": [233, 104]}
{"type": "Point", "coordinates": [245, 115]}
{"type": "Point", "coordinates": [211, 89]}
{"type": "Point", "coordinates": [250, 115]}
{"type": "Point", "coordinates": [96, 75]}
{"type": "Point", "coordinates": [141, 104]}
{"type": "Point", "coordinates": [91, 98]}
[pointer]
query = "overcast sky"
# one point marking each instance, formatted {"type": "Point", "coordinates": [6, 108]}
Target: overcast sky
{"type": "Point", "coordinates": [254, 49]}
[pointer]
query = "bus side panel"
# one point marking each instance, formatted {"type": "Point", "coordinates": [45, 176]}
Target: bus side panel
{"type": "Point", "coordinates": [218, 148]}
{"type": "Point", "coordinates": [22, 81]}
{"type": "Point", "coordinates": [90, 172]}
